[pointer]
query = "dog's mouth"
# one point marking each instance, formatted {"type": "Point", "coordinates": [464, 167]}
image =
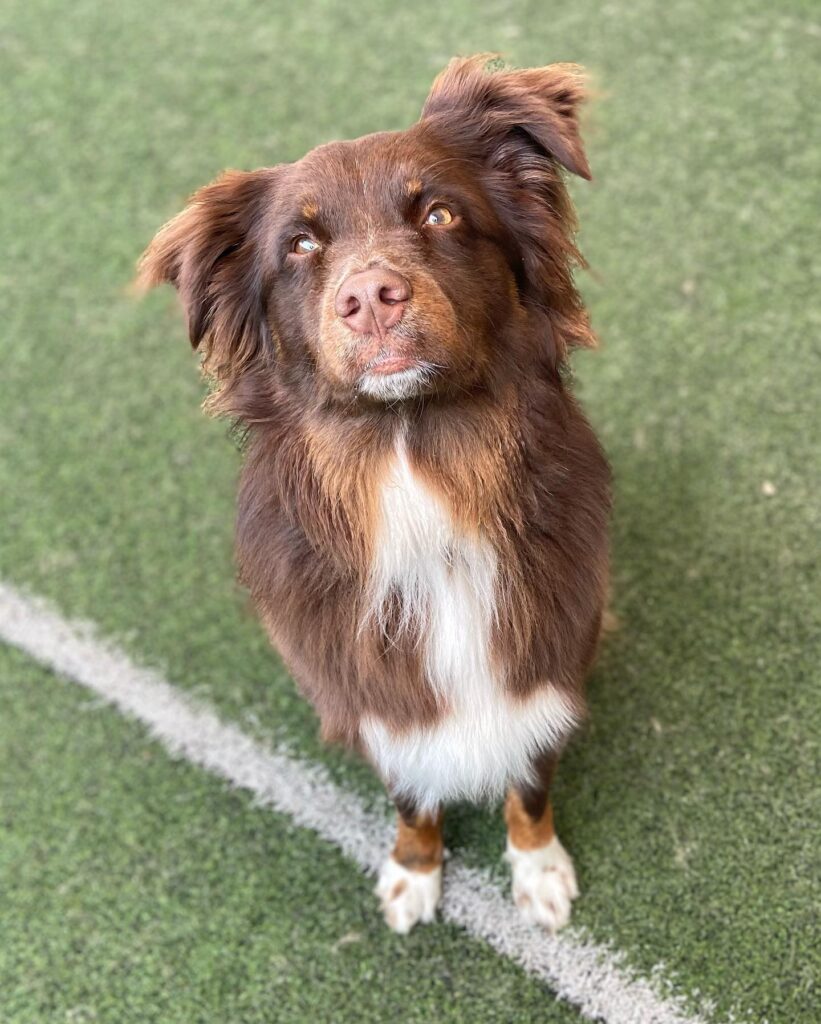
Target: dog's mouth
{"type": "Point", "coordinates": [390, 363]}
{"type": "Point", "coordinates": [393, 376]}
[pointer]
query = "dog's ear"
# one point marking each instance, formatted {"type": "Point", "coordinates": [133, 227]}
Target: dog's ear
{"type": "Point", "coordinates": [489, 108]}
{"type": "Point", "coordinates": [210, 253]}
{"type": "Point", "coordinates": [518, 127]}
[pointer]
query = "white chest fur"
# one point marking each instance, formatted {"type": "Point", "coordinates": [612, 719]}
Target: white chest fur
{"type": "Point", "coordinates": [448, 583]}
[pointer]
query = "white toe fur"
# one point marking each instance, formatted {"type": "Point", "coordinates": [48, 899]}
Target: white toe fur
{"type": "Point", "coordinates": [408, 896]}
{"type": "Point", "coordinates": [544, 883]}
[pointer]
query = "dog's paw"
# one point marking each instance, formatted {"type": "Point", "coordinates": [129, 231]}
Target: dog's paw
{"type": "Point", "coordinates": [408, 896]}
{"type": "Point", "coordinates": [544, 883]}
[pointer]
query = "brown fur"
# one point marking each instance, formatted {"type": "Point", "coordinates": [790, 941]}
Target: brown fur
{"type": "Point", "coordinates": [496, 434]}
{"type": "Point", "coordinates": [528, 811]}
{"type": "Point", "coordinates": [527, 833]}
{"type": "Point", "coordinates": [419, 845]}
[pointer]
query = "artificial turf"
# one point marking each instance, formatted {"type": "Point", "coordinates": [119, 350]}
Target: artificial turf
{"type": "Point", "coordinates": [690, 802]}
{"type": "Point", "coordinates": [137, 889]}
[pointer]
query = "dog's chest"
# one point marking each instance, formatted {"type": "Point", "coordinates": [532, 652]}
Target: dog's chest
{"type": "Point", "coordinates": [445, 580]}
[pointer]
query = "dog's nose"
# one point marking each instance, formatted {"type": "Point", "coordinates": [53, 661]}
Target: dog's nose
{"type": "Point", "coordinates": [372, 301]}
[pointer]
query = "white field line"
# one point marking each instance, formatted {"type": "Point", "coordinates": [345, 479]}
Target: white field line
{"type": "Point", "coordinates": [590, 976]}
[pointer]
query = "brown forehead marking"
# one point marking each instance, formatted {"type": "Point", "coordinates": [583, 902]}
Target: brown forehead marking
{"type": "Point", "coordinates": [413, 186]}
{"type": "Point", "coordinates": [309, 209]}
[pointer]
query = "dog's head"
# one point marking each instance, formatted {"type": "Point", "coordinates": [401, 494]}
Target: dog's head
{"type": "Point", "coordinates": [397, 265]}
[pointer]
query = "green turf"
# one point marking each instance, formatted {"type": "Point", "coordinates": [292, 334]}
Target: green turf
{"type": "Point", "coordinates": [689, 801]}
{"type": "Point", "coordinates": [138, 889]}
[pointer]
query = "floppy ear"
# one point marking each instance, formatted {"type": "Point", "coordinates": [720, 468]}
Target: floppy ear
{"type": "Point", "coordinates": [210, 253]}
{"type": "Point", "coordinates": [518, 126]}
{"type": "Point", "coordinates": [539, 104]}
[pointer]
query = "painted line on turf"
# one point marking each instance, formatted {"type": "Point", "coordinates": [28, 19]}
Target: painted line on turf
{"type": "Point", "coordinates": [590, 976]}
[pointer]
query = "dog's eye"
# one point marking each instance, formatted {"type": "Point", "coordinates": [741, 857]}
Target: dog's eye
{"type": "Point", "coordinates": [438, 216]}
{"type": "Point", "coordinates": [304, 244]}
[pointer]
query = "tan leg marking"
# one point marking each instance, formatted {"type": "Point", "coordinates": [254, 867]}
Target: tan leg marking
{"type": "Point", "coordinates": [419, 844]}
{"type": "Point", "coordinates": [524, 832]}
{"type": "Point", "coordinates": [544, 881]}
{"type": "Point", "coordinates": [410, 881]}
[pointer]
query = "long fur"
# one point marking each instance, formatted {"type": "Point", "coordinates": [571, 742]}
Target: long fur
{"type": "Point", "coordinates": [428, 554]}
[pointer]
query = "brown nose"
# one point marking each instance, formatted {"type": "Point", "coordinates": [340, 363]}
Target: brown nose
{"type": "Point", "coordinates": [372, 301]}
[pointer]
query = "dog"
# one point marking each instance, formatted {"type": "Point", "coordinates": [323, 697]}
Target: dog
{"type": "Point", "coordinates": [423, 509]}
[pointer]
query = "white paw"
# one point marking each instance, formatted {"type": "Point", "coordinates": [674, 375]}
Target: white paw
{"type": "Point", "coordinates": [408, 896]}
{"type": "Point", "coordinates": [544, 883]}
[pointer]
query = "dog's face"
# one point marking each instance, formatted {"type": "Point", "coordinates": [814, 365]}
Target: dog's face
{"type": "Point", "coordinates": [397, 265]}
{"type": "Point", "coordinates": [389, 266]}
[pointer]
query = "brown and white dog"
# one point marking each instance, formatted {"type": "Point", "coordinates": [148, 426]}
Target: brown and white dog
{"type": "Point", "coordinates": [423, 510]}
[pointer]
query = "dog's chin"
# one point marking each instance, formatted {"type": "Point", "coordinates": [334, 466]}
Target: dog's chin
{"type": "Point", "coordinates": [397, 385]}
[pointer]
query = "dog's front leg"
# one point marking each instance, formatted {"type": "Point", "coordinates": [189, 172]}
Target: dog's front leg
{"type": "Point", "coordinates": [544, 881]}
{"type": "Point", "coordinates": [410, 881]}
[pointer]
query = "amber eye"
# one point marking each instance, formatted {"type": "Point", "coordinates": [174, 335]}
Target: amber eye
{"type": "Point", "coordinates": [438, 216]}
{"type": "Point", "coordinates": [304, 245]}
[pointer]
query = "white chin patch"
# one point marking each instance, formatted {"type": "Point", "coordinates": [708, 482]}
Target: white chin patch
{"type": "Point", "coordinates": [544, 883]}
{"type": "Point", "coordinates": [392, 387]}
{"type": "Point", "coordinates": [408, 897]}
